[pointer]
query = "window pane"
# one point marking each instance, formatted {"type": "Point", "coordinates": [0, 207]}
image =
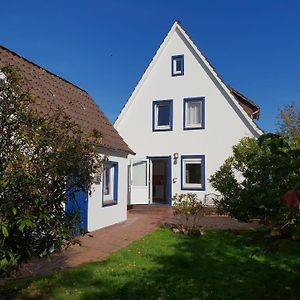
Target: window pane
{"type": "Point", "coordinates": [107, 181]}
{"type": "Point", "coordinates": [194, 113]}
{"type": "Point", "coordinates": [139, 173]}
{"type": "Point", "coordinates": [193, 173]}
{"type": "Point", "coordinates": [179, 64]}
{"type": "Point", "coordinates": [163, 115]}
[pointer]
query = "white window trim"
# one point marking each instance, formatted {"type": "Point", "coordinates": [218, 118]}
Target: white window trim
{"type": "Point", "coordinates": [156, 117]}
{"type": "Point", "coordinates": [175, 59]}
{"type": "Point", "coordinates": [157, 127]}
{"type": "Point", "coordinates": [175, 71]}
{"type": "Point", "coordinates": [196, 125]}
{"type": "Point", "coordinates": [109, 197]}
{"type": "Point", "coordinates": [186, 161]}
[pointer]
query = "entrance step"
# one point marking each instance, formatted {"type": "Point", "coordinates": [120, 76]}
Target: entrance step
{"type": "Point", "coordinates": [150, 208]}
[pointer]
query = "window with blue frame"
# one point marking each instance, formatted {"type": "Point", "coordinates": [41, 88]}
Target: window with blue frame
{"type": "Point", "coordinates": [193, 172]}
{"type": "Point", "coordinates": [177, 65]}
{"type": "Point", "coordinates": [110, 183]}
{"type": "Point", "coordinates": [193, 113]}
{"type": "Point", "coordinates": [162, 115]}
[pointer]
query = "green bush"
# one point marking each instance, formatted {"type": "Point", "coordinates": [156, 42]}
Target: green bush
{"type": "Point", "coordinates": [41, 159]}
{"type": "Point", "coordinates": [188, 209]}
{"type": "Point", "coordinates": [253, 181]}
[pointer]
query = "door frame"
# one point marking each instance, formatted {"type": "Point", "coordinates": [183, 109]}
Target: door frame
{"type": "Point", "coordinates": [169, 177]}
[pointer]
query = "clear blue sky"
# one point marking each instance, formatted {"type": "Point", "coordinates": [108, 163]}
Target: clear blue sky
{"type": "Point", "coordinates": [105, 46]}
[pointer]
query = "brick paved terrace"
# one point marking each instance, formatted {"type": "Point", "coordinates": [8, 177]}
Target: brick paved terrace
{"type": "Point", "coordinates": [97, 245]}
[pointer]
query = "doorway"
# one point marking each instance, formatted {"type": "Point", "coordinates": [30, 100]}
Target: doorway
{"type": "Point", "coordinates": [160, 187]}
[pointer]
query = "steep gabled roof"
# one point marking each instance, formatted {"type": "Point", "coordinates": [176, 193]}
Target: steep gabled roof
{"type": "Point", "coordinates": [231, 95]}
{"type": "Point", "coordinates": [52, 90]}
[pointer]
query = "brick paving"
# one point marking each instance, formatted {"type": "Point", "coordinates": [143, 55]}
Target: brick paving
{"type": "Point", "coordinates": [99, 244]}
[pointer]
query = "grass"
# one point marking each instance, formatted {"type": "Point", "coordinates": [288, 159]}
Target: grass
{"type": "Point", "coordinates": [163, 265]}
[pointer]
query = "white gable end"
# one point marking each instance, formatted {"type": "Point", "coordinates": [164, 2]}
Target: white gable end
{"type": "Point", "coordinates": [225, 122]}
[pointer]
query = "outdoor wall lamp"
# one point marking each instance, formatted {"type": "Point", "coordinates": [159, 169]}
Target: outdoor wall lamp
{"type": "Point", "coordinates": [175, 157]}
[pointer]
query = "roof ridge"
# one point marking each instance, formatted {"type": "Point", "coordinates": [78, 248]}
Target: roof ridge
{"type": "Point", "coordinates": [46, 70]}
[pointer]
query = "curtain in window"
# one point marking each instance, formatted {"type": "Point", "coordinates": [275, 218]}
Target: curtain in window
{"type": "Point", "coordinates": [193, 113]}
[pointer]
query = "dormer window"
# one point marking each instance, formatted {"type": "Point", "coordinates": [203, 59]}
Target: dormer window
{"type": "Point", "coordinates": [177, 65]}
{"type": "Point", "coordinates": [162, 115]}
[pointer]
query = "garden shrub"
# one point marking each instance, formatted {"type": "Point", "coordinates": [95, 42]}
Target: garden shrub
{"type": "Point", "coordinates": [254, 179]}
{"type": "Point", "coordinates": [41, 158]}
{"type": "Point", "coordinates": [188, 210]}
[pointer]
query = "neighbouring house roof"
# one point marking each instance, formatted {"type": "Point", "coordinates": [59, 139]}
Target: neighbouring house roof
{"type": "Point", "coordinates": [50, 89]}
{"type": "Point", "coordinates": [247, 109]}
{"type": "Point", "coordinates": [250, 107]}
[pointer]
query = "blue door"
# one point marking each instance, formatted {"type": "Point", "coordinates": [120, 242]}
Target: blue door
{"type": "Point", "coordinates": [78, 202]}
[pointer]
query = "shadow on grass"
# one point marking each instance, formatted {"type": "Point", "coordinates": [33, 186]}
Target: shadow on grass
{"type": "Point", "coordinates": [220, 265]}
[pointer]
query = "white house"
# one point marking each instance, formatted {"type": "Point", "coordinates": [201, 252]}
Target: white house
{"type": "Point", "coordinates": [181, 121]}
{"type": "Point", "coordinates": [107, 203]}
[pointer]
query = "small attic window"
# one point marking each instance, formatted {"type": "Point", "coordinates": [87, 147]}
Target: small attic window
{"type": "Point", "coordinates": [177, 65]}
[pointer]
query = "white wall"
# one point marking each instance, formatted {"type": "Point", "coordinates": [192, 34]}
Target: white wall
{"type": "Point", "coordinates": [99, 216]}
{"type": "Point", "coordinates": [223, 126]}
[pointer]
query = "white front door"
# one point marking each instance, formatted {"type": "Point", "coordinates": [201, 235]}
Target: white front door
{"type": "Point", "coordinates": [139, 181]}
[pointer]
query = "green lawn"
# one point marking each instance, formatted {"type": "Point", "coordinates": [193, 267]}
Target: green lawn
{"type": "Point", "coordinates": [163, 265]}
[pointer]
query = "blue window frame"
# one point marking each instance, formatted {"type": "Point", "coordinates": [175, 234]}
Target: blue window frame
{"type": "Point", "coordinates": [177, 63]}
{"type": "Point", "coordinates": [194, 113]}
{"type": "Point", "coordinates": [110, 183]}
{"type": "Point", "coordinates": [162, 115]}
{"type": "Point", "coordinates": [193, 172]}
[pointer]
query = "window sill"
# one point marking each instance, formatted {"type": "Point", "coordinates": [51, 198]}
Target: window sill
{"type": "Point", "coordinates": [192, 188]}
{"type": "Point", "coordinates": [162, 129]}
{"type": "Point", "coordinates": [179, 74]}
{"type": "Point", "coordinates": [109, 203]}
{"type": "Point", "coordinates": [196, 127]}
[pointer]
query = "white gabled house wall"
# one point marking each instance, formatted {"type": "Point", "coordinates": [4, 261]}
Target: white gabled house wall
{"type": "Point", "coordinates": [225, 120]}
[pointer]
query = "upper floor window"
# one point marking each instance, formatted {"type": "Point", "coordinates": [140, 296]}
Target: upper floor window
{"type": "Point", "coordinates": [193, 113]}
{"type": "Point", "coordinates": [177, 65]}
{"type": "Point", "coordinates": [162, 115]}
